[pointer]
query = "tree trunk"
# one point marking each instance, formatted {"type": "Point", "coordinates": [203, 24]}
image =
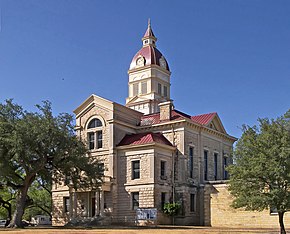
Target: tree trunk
{"type": "Point", "coordinates": [282, 227]}
{"type": "Point", "coordinates": [20, 203]}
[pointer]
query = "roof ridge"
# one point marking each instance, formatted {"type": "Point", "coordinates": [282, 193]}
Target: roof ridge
{"type": "Point", "coordinates": [205, 114]}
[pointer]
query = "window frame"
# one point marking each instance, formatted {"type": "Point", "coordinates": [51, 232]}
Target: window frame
{"type": "Point", "coordinates": [163, 200]}
{"type": "Point", "coordinates": [225, 172]}
{"type": "Point", "coordinates": [135, 170]}
{"type": "Point", "coordinates": [159, 89]}
{"type": "Point", "coordinates": [215, 158]}
{"type": "Point", "coordinates": [190, 161]}
{"type": "Point", "coordinates": [135, 202]}
{"type": "Point", "coordinates": [192, 203]}
{"type": "Point", "coordinates": [165, 91]}
{"type": "Point", "coordinates": [205, 165]}
{"type": "Point", "coordinates": [135, 89]}
{"type": "Point", "coordinates": [95, 134]}
{"type": "Point", "coordinates": [163, 170]}
{"type": "Point", "coordinates": [66, 204]}
{"type": "Point", "coordinates": [144, 87]}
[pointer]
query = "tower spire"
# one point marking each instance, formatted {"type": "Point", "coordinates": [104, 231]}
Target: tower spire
{"type": "Point", "coordinates": [149, 37]}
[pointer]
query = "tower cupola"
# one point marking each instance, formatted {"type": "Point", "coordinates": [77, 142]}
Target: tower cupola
{"type": "Point", "coordinates": [149, 38]}
{"type": "Point", "coordinates": [149, 77]}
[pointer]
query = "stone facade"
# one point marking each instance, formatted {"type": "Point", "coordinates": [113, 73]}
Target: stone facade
{"type": "Point", "coordinates": [152, 154]}
{"type": "Point", "coordinates": [219, 212]}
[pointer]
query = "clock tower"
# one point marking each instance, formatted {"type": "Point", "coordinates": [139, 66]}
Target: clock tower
{"type": "Point", "coordinates": [149, 77]}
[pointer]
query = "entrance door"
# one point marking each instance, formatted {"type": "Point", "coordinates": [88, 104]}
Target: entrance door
{"type": "Point", "coordinates": [93, 207]}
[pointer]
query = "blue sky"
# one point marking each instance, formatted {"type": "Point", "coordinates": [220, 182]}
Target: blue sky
{"type": "Point", "coordinates": [226, 56]}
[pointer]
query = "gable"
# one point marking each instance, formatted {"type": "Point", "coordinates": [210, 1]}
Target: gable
{"type": "Point", "coordinates": [216, 124]}
{"type": "Point", "coordinates": [137, 99]}
{"type": "Point", "coordinates": [92, 101]}
{"type": "Point", "coordinates": [210, 120]}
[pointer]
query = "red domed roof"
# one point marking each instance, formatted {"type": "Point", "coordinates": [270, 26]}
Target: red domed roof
{"type": "Point", "coordinates": [151, 56]}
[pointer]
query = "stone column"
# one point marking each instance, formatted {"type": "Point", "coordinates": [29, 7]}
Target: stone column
{"type": "Point", "coordinates": [74, 205]}
{"type": "Point", "coordinates": [97, 197]}
{"type": "Point", "coordinates": [70, 205]}
{"type": "Point", "coordinates": [102, 201]}
{"type": "Point", "coordinates": [88, 207]}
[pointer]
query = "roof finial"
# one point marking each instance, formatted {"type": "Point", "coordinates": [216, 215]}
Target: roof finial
{"type": "Point", "coordinates": [149, 23]}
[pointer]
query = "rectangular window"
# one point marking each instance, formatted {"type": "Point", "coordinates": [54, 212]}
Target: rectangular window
{"type": "Point", "coordinates": [135, 200]}
{"type": "Point", "coordinates": [163, 197]}
{"type": "Point", "coordinates": [165, 91]}
{"type": "Point", "coordinates": [192, 202]}
{"type": "Point", "coordinates": [225, 163]}
{"type": "Point", "coordinates": [190, 162]}
{"type": "Point", "coordinates": [100, 139]}
{"type": "Point", "coordinates": [205, 165]}
{"type": "Point", "coordinates": [135, 169]}
{"type": "Point", "coordinates": [66, 204]}
{"type": "Point", "coordinates": [144, 87]}
{"type": "Point", "coordinates": [163, 170]}
{"type": "Point", "coordinates": [159, 89]}
{"type": "Point", "coordinates": [101, 168]}
{"type": "Point", "coordinates": [135, 89]}
{"type": "Point", "coordinates": [215, 158]}
{"type": "Point", "coordinates": [91, 137]}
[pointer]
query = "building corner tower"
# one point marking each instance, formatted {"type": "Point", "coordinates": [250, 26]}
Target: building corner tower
{"type": "Point", "coordinates": [149, 77]}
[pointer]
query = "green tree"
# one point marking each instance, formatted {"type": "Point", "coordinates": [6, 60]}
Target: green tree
{"type": "Point", "coordinates": [171, 209]}
{"type": "Point", "coordinates": [39, 146]}
{"type": "Point", "coordinates": [7, 202]}
{"type": "Point", "coordinates": [39, 195]}
{"type": "Point", "coordinates": [260, 177]}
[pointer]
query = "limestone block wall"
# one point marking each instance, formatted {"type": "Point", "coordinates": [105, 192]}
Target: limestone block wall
{"type": "Point", "coordinates": [220, 214]}
{"type": "Point", "coordinates": [191, 140]}
{"type": "Point", "coordinates": [215, 145]}
{"type": "Point", "coordinates": [126, 185]}
{"type": "Point", "coordinates": [59, 217]}
{"type": "Point", "coordinates": [95, 112]}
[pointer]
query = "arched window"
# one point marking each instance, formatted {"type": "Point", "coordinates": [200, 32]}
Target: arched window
{"type": "Point", "coordinates": [94, 123]}
{"type": "Point", "coordinates": [95, 134]}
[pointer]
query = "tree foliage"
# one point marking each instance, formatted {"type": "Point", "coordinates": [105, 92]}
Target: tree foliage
{"type": "Point", "coordinates": [171, 209]}
{"type": "Point", "coordinates": [40, 203]}
{"type": "Point", "coordinates": [39, 146]}
{"type": "Point", "coordinates": [260, 177]}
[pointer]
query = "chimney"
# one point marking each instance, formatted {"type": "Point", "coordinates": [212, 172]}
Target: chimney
{"type": "Point", "coordinates": [165, 110]}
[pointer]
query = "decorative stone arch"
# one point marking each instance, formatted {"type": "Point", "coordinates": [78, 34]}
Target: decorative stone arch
{"type": "Point", "coordinates": [95, 117]}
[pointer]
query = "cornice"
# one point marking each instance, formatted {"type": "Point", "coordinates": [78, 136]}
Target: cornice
{"type": "Point", "coordinates": [155, 145]}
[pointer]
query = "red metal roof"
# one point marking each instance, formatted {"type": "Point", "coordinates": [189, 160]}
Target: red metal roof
{"type": "Point", "coordinates": [151, 54]}
{"type": "Point", "coordinates": [151, 119]}
{"type": "Point", "coordinates": [144, 138]}
{"type": "Point", "coordinates": [149, 32]}
{"type": "Point", "coordinates": [203, 119]}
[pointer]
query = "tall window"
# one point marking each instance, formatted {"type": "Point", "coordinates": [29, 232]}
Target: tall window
{"type": "Point", "coordinates": [165, 91]}
{"type": "Point", "coordinates": [163, 170]}
{"type": "Point", "coordinates": [95, 135]}
{"type": "Point", "coordinates": [159, 89]}
{"type": "Point", "coordinates": [144, 87]}
{"type": "Point", "coordinates": [225, 163]}
{"type": "Point", "coordinates": [192, 202]}
{"type": "Point", "coordinates": [135, 169]}
{"type": "Point", "coordinates": [135, 200]}
{"type": "Point", "coordinates": [135, 89]}
{"type": "Point", "coordinates": [205, 164]}
{"type": "Point", "coordinates": [215, 158]}
{"type": "Point", "coordinates": [190, 162]}
{"type": "Point", "coordinates": [101, 168]}
{"type": "Point", "coordinates": [163, 197]}
{"type": "Point", "coordinates": [66, 204]}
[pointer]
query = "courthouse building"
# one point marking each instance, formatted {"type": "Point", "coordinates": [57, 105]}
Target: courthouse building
{"type": "Point", "coordinates": [152, 152]}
